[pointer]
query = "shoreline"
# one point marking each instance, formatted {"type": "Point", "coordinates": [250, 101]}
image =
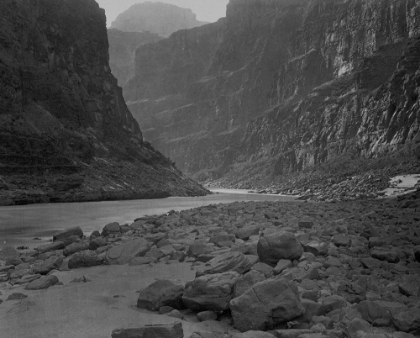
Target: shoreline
{"type": "Point", "coordinates": [347, 248]}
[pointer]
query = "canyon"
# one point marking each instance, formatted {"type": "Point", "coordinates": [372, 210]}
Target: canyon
{"type": "Point", "coordinates": [279, 88]}
{"type": "Point", "coordinates": [66, 133]}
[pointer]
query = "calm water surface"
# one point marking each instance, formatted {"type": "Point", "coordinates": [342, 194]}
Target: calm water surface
{"type": "Point", "coordinates": [20, 225]}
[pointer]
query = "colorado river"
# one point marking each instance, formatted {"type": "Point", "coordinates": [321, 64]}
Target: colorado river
{"type": "Point", "coordinates": [19, 225]}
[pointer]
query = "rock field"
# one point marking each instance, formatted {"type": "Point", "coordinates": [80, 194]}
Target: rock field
{"type": "Point", "coordinates": [265, 269]}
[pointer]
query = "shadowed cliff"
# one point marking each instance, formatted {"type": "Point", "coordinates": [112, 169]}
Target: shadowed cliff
{"type": "Point", "coordinates": [66, 133]}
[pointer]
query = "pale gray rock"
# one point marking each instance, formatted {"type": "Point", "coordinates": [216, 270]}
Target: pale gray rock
{"type": "Point", "coordinates": [265, 305]}
{"type": "Point", "coordinates": [123, 253]}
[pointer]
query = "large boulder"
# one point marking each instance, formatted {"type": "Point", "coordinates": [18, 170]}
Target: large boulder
{"type": "Point", "coordinates": [248, 280]}
{"type": "Point", "coordinates": [111, 229]}
{"type": "Point", "coordinates": [151, 331]}
{"type": "Point", "coordinates": [265, 305]}
{"type": "Point", "coordinates": [65, 234]}
{"type": "Point", "coordinates": [210, 292]}
{"type": "Point", "coordinates": [42, 283]}
{"type": "Point", "coordinates": [85, 259]}
{"type": "Point", "coordinates": [123, 253]}
{"type": "Point", "coordinates": [278, 245]}
{"type": "Point", "coordinates": [161, 293]}
{"type": "Point", "coordinates": [230, 261]}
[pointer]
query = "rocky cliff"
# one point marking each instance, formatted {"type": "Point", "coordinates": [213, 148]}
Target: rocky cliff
{"type": "Point", "coordinates": [283, 86]}
{"type": "Point", "coordinates": [122, 48]}
{"type": "Point", "coordinates": [156, 17]}
{"type": "Point", "coordinates": [66, 133]}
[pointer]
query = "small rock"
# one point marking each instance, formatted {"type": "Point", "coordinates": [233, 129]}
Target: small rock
{"type": "Point", "coordinates": [151, 331]}
{"type": "Point", "coordinates": [42, 283]}
{"type": "Point", "coordinates": [206, 315]}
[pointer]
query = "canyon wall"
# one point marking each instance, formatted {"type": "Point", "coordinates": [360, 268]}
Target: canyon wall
{"type": "Point", "coordinates": [280, 86]}
{"type": "Point", "coordinates": [66, 133]}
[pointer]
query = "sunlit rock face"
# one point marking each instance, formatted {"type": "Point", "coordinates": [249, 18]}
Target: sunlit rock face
{"type": "Point", "coordinates": [279, 86]}
{"type": "Point", "coordinates": [65, 131]}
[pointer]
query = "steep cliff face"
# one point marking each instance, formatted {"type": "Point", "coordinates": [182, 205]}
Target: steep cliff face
{"type": "Point", "coordinates": [288, 85]}
{"type": "Point", "coordinates": [156, 17]}
{"type": "Point", "coordinates": [66, 133]}
{"type": "Point", "coordinates": [122, 48]}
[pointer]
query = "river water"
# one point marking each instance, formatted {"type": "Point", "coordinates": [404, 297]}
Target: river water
{"type": "Point", "coordinates": [33, 225]}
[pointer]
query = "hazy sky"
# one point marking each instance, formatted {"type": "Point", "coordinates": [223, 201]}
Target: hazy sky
{"type": "Point", "coordinates": [206, 10]}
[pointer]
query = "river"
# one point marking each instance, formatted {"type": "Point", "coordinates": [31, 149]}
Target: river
{"type": "Point", "coordinates": [33, 225]}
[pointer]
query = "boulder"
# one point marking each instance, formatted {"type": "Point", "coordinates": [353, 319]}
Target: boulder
{"type": "Point", "coordinates": [374, 314]}
{"type": "Point", "coordinates": [50, 247]}
{"type": "Point", "coordinates": [85, 259]}
{"type": "Point", "coordinates": [97, 242]}
{"type": "Point", "coordinates": [246, 281]}
{"type": "Point", "coordinates": [161, 293]}
{"type": "Point", "coordinates": [316, 247]}
{"type": "Point", "coordinates": [407, 320]}
{"type": "Point", "coordinates": [279, 245]}
{"type": "Point", "coordinates": [75, 247]}
{"type": "Point", "coordinates": [230, 261]}
{"type": "Point", "coordinates": [247, 231]}
{"type": "Point", "coordinates": [43, 267]}
{"type": "Point", "coordinates": [388, 255]}
{"type": "Point", "coordinates": [65, 234]}
{"type": "Point", "coordinates": [111, 229]}
{"type": "Point", "coordinates": [123, 253]}
{"type": "Point", "coordinates": [342, 240]}
{"type": "Point", "coordinates": [210, 292]}
{"type": "Point", "coordinates": [151, 331]}
{"type": "Point", "coordinates": [266, 305]}
{"type": "Point", "coordinates": [42, 283]}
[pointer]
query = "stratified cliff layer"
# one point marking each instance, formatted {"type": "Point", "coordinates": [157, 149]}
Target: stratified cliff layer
{"type": "Point", "coordinates": [65, 132]}
{"type": "Point", "coordinates": [122, 47]}
{"type": "Point", "coordinates": [156, 17]}
{"type": "Point", "coordinates": [280, 86]}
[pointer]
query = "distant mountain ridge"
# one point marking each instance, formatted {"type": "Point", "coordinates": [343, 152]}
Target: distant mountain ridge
{"type": "Point", "coordinates": [156, 17]}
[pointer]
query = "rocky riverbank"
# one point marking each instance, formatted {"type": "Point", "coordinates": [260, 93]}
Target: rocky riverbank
{"type": "Point", "coordinates": [260, 269]}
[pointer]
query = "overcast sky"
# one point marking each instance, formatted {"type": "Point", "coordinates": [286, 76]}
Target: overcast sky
{"type": "Point", "coordinates": [206, 10]}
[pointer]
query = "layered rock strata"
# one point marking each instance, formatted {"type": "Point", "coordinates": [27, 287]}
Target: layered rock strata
{"type": "Point", "coordinates": [281, 86]}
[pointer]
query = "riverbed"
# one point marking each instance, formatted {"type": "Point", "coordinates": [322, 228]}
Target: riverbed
{"type": "Point", "coordinates": [33, 225]}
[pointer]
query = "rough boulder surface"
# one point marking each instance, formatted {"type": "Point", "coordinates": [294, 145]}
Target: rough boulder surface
{"type": "Point", "coordinates": [265, 305]}
{"type": "Point", "coordinates": [66, 133]}
{"type": "Point", "coordinates": [161, 293]}
{"type": "Point", "coordinates": [280, 86]}
{"type": "Point", "coordinates": [273, 247]}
